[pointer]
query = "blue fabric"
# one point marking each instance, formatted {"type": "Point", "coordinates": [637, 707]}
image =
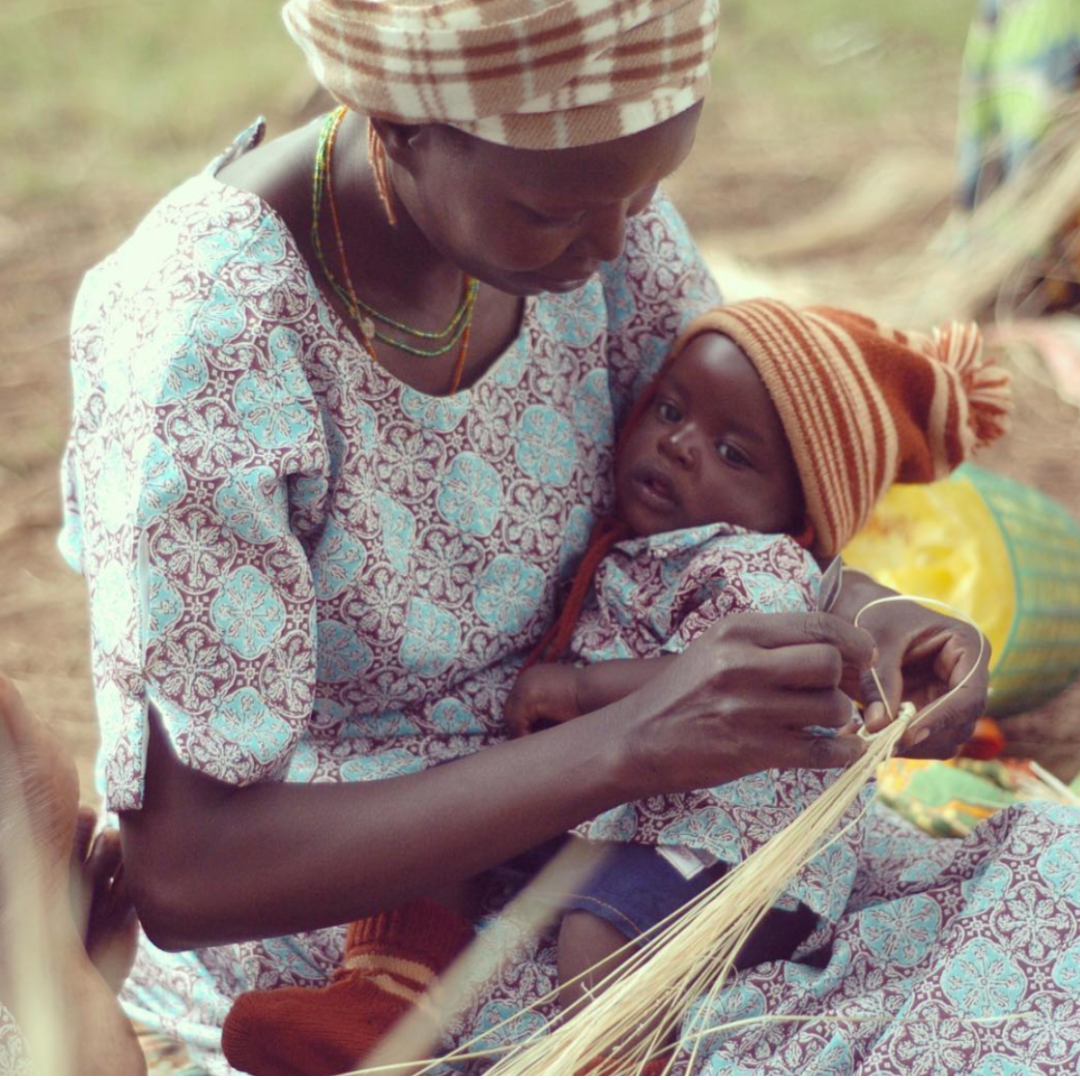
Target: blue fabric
{"type": "Point", "coordinates": [635, 887]}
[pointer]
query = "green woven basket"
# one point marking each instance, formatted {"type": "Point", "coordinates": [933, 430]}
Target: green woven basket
{"type": "Point", "coordinates": [1041, 655]}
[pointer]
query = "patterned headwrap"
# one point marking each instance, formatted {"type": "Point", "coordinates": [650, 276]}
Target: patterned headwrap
{"type": "Point", "coordinates": [864, 406]}
{"type": "Point", "coordinates": [532, 74]}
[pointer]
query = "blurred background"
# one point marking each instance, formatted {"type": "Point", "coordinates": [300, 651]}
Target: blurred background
{"type": "Point", "coordinates": [827, 150]}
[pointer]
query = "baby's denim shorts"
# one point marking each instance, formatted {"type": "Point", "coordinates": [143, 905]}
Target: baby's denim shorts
{"type": "Point", "coordinates": [635, 887]}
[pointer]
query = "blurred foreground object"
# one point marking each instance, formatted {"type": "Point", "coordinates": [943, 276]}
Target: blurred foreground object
{"type": "Point", "coordinates": [999, 550]}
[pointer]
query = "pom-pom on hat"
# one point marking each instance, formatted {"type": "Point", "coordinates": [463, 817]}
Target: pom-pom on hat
{"type": "Point", "coordinates": [864, 406]}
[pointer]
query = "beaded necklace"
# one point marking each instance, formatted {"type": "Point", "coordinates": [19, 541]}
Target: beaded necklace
{"type": "Point", "coordinates": [363, 314]}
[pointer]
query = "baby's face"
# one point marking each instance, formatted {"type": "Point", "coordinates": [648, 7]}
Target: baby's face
{"type": "Point", "coordinates": [710, 448]}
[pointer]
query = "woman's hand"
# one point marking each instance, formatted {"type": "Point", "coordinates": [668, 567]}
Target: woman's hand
{"type": "Point", "coordinates": [37, 780]}
{"type": "Point", "coordinates": [741, 698]}
{"type": "Point", "coordinates": [922, 656]}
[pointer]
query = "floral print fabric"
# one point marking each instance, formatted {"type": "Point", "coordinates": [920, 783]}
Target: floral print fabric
{"type": "Point", "coordinates": [316, 573]}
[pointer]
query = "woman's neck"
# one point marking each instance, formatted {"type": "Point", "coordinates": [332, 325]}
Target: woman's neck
{"type": "Point", "coordinates": [395, 261]}
{"type": "Point", "coordinates": [394, 268]}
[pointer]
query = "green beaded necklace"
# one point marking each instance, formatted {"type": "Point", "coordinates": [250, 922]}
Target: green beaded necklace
{"type": "Point", "coordinates": [363, 313]}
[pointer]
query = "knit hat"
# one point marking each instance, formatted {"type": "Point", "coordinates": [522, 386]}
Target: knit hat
{"type": "Point", "coordinates": [864, 406]}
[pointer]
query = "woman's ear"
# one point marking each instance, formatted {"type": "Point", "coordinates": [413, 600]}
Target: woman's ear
{"type": "Point", "coordinates": [398, 139]}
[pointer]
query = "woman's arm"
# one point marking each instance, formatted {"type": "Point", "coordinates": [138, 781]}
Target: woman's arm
{"type": "Point", "coordinates": [921, 656]}
{"type": "Point", "coordinates": [208, 862]}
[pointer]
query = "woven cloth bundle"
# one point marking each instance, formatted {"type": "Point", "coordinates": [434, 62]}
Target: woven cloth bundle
{"type": "Point", "coordinates": [524, 73]}
{"type": "Point", "coordinates": [864, 406]}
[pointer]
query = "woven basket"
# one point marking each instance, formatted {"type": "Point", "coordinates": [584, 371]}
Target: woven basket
{"type": "Point", "coordinates": [1041, 654]}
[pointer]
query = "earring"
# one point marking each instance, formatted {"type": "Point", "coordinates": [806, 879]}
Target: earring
{"type": "Point", "coordinates": [377, 160]}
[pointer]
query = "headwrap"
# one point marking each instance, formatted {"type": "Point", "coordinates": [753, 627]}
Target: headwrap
{"type": "Point", "coordinates": [864, 406]}
{"type": "Point", "coordinates": [524, 73]}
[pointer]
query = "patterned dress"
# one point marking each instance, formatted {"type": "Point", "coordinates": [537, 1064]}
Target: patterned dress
{"type": "Point", "coordinates": [318, 574]}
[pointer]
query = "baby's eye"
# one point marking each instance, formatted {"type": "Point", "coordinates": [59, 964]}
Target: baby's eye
{"type": "Point", "coordinates": [667, 411]}
{"type": "Point", "coordinates": [732, 454]}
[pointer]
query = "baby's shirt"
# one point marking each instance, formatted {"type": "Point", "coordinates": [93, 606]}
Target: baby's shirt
{"type": "Point", "coordinates": [654, 595]}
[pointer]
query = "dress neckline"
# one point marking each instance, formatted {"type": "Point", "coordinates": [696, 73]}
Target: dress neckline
{"type": "Point", "coordinates": [250, 138]}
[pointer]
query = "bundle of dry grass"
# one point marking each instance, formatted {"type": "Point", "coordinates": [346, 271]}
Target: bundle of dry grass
{"type": "Point", "coordinates": [686, 961]}
{"type": "Point", "coordinates": [692, 955]}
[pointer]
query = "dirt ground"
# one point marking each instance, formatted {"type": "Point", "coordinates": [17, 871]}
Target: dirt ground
{"type": "Point", "coordinates": [771, 198]}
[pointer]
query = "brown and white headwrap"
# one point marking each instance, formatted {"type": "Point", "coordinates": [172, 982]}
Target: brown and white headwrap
{"type": "Point", "coordinates": [532, 74]}
{"type": "Point", "coordinates": [864, 406]}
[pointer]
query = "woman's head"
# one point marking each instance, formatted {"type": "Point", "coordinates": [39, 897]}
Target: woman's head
{"type": "Point", "coordinates": [708, 447]}
{"type": "Point", "coordinates": [529, 221]}
{"type": "Point", "coordinates": [520, 137]}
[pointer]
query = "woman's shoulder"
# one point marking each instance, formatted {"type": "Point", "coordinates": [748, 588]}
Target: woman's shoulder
{"type": "Point", "coordinates": [197, 231]}
{"type": "Point", "coordinates": [205, 244]}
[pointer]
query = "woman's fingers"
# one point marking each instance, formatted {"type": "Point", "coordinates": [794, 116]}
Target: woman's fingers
{"type": "Point", "coordinates": [112, 928]}
{"type": "Point", "coordinates": [959, 671]}
{"type": "Point", "coordinates": [855, 646]}
{"type": "Point", "coordinates": [809, 667]}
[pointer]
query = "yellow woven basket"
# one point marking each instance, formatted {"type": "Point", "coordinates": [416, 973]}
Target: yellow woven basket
{"type": "Point", "coordinates": [999, 550]}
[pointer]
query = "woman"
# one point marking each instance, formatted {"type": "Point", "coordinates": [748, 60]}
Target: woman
{"type": "Point", "coordinates": [309, 562]}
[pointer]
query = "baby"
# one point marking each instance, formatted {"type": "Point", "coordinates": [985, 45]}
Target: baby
{"type": "Point", "coordinates": [759, 449]}
{"type": "Point", "coordinates": [766, 439]}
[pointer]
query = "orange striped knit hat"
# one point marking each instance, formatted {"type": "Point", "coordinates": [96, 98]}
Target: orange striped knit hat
{"type": "Point", "coordinates": [863, 405]}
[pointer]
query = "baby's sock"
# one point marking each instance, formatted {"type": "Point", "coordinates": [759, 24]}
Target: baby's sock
{"type": "Point", "coordinates": [391, 959]}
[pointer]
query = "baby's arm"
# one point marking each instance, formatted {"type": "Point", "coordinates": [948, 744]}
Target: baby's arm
{"type": "Point", "coordinates": [554, 693]}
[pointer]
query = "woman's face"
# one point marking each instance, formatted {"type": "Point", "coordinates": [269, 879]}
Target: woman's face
{"type": "Point", "coordinates": [709, 448]}
{"type": "Point", "coordinates": [531, 221]}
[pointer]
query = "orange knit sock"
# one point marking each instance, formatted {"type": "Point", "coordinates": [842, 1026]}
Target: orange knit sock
{"type": "Point", "coordinates": [390, 960]}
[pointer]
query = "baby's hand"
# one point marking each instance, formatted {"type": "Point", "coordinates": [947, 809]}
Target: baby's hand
{"type": "Point", "coordinates": [544, 694]}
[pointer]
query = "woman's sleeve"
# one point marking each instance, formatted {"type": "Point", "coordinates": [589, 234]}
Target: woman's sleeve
{"type": "Point", "coordinates": [197, 461]}
{"type": "Point", "coordinates": [652, 291]}
{"type": "Point", "coordinates": [761, 573]}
